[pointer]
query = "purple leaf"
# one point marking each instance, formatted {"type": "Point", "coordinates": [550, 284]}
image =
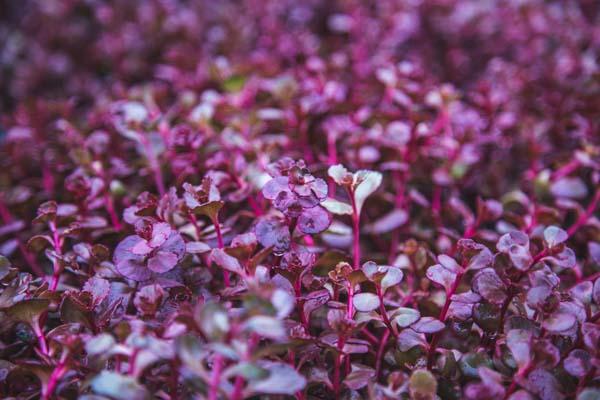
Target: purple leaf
{"type": "Point", "coordinates": [559, 322]}
{"type": "Point", "coordinates": [134, 270]}
{"type": "Point", "coordinates": [404, 316]}
{"type": "Point", "coordinates": [489, 286]}
{"type": "Point", "coordinates": [225, 261]}
{"type": "Point", "coordinates": [544, 384]}
{"type": "Point", "coordinates": [519, 343]}
{"type": "Point", "coordinates": [276, 185]}
{"type": "Point", "coordinates": [553, 236]}
{"type": "Point", "coordinates": [442, 276]}
{"type": "Point", "coordinates": [359, 377]}
{"type": "Point", "coordinates": [578, 363]}
{"type": "Point", "coordinates": [273, 233]}
{"type": "Point", "coordinates": [314, 220]}
{"type": "Point", "coordinates": [573, 188]}
{"type": "Point", "coordinates": [366, 302]}
{"type": "Point", "coordinates": [148, 299]}
{"type": "Point", "coordinates": [428, 325]}
{"type": "Point", "coordinates": [408, 338]}
{"type": "Point", "coordinates": [98, 287]}
{"type": "Point", "coordinates": [283, 379]}
{"type": "Point", "coordinates": [162, 262]}
{"type": "Point", "coordinates": [390, 221]}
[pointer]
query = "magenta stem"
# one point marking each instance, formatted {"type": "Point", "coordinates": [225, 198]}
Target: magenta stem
{"type": "Point", "coordinates": [215, 379]}
{"type": "Point", "coordinates": [110, 207]}
{"type": "Point", "coordinates": [39, 334]}
{"type": "Point", "coordinates": [57, 374]}
{"type": "Point", "coordinates": [521, 373]}
{"type": "Point", "coordinates": [338, 367]}
{"type": "Point", "coordinates": [300, 303]}
{"type": "Point", "coordinates": [583, 218]}
{"type": "Point", "coordinates": [57, 244]}
{"type": "Point", "coordinates": [383, 312]}
{"type": "Point", "coordinates": [221, 245]}
{"type": "Point", "coordinates": [442, 317]}
{"type": "Point", "coordinates": [380, 350]}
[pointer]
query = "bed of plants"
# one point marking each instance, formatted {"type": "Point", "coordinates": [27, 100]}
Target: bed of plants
{"type": "Point", "coordinates": [310, 200]}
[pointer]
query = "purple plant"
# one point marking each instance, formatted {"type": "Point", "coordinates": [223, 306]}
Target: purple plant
{"type": "Point", "coordinates": [310, 200]}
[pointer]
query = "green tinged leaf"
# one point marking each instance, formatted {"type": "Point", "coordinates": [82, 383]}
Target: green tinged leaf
{"type": "Point", "coordinates": [119, 387]}
{"type": "Point", "coordinates": [234, 83]}
{"type": "Point", "coordinates": [225, 261]}
{"type": "Point", "coordinates": [28, 311]}
{"type": "Point", "coordinates": [422, 385]}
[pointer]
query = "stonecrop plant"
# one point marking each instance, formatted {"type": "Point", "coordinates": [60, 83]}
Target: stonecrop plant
{"type": "Point", "coordinates": [300, 199]}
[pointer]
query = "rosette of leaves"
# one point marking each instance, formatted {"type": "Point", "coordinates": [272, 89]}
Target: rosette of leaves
{"type": "Point", "coordinates": [295, 192]}
{"type": "Point", "coordinates": [360, 185]}
{"type": "Point", "coordinates": [157, 248]}
{"type": "Point", "coordinates": [204, 199]}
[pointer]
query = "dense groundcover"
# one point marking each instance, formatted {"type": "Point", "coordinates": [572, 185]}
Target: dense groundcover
{"type": "Point", "coordinates": [300, 199]}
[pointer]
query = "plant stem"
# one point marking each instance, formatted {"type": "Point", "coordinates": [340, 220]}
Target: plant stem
{"type": "Point", "coordinates": [586, 215]}
{"type": "Point", "coordinates": [370, 337]}
{"type": "Point", "coordinates": [355, 235]}
{"type": "Point", "coordinates": [110, 207]}
{"type": "Point", "coordinates": [300, 303]}
{"type": "Point", "coordinates": [442, 317]}
{"type": "Point", "coordinates": [331, 159]}
{"type": "Point", "coordinates": [355, 251]}
{"type": "Point", "coordinates": [380, 351]}
{"type": "Point", "coordinates": [337, 367]}
{"type": "Point", "coordinates": [58, 249]}
{"type": "Point", "coordinates": [220, 245]}
{"type": "Point", "coordinates": [239, 381]}
{"type": "Point", "coordinates": [39, 334]}
{"type": "Point", "coordinates": [215, 378]}
{"type": "Point", "coordinates": [383, 312]}
{"type": "Point", "coordinates": [350, 307]}
{"type": "Point", "coordinates": [57, 374]}
{"type": "Point", "coordinates": [521, 373]}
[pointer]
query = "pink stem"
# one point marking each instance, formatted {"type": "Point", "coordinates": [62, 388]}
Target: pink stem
{"type": "Point", "coordinates": [521, 373]}
{"type": "Point", "coordinates": [380, 351]}
{"type": "Point", "coordinates": [221, 245]}
{"type": "Point", "coordinates": [331, 160]}
{"type": "Point", "coordinates": [300, 303]}
{"type": "Point", "coordinates": [56, 375]}
{"type": "Point", "coordinates": [442, 317]}
{"type": "Point", "coordinates": [565, 169]}
{"type": "Point", "coordinates": [215, 378]}
{"type": "Point", "coordinates": [355, 251]}
{"type": "Point", "coordinates": [350, 311]}
{"type": "Point", "coordinates": [47, 180]}
{"type": "Point", "coordinates": [586, 215]}
{"type": "Point", "coordinates": [132, 360]}
{"type": "Point", "coordinates": [58, 249]}
{"type": "Point", "coordinates": [41, 338]}
{"type": "Point", "coordinates": [110, 207]}
{"type": "Point", "coordinates": [239, 381]}
{"type": "Point", "coordinates": [383, 312]}
{"type": "Point", "coordinates": [337, 367]}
